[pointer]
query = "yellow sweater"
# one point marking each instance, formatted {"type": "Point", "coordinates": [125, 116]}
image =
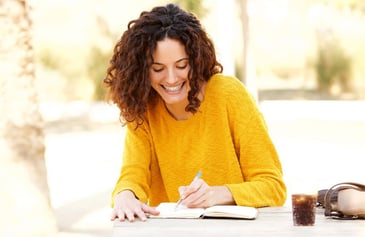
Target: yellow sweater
{"type": "Point", "coordinates": [226, 139]}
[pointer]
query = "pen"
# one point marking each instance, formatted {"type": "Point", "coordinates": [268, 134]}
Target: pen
{"type": "Point", "coordinates": [197, 176]}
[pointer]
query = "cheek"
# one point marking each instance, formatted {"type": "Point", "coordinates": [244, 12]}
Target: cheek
{"type": "Point", "coordinates": [184, 73]}
{"type": "Point", "coordinates": [154, 81]}
{"type": "Point", "coordinates": [153, 77]}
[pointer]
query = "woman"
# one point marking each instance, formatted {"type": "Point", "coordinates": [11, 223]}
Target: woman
{"type": "Point", "coordinates": [182, 116]}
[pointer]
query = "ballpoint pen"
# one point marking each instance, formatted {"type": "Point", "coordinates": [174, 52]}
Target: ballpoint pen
{"type": "Point", "coordinates": [197, 176]}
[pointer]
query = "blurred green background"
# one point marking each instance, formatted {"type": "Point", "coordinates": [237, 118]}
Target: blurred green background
{"type": "Point", "coordinates": [296, 48]}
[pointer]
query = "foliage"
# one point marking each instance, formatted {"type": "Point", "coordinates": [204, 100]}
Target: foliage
{"type": "Point", "coordinates": [97, 66]}
{"type": "Point", "coordinates": [332, 65]}
{"type": "Point", "coordinates": [352, 4]}
{"type": "Point", "coordinates": [48, 59]}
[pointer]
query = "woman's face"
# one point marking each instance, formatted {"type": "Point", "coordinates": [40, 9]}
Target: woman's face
{"type": "Point", "coordinates": [169, 71]}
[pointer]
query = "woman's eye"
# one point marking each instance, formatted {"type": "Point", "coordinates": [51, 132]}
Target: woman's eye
{"type": "Point", "coordinates": [182, 66]}
{"type": "Point", "coordinates": [157, 69]}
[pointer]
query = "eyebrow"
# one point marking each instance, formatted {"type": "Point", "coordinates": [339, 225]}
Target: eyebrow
{"type": "Point", "coordinates": [182, 59]}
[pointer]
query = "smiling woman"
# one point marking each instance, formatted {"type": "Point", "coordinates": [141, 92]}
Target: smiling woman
{"type": "Point", "coordinates": [183, 115]}
{"type": "Point", "coordinates": [169, 76]}
{"type": "Point", "coordinates": [141, 44]}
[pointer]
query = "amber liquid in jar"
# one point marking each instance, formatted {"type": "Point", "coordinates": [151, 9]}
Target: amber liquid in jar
{"type": "Point", "coordinates": [304, 209]}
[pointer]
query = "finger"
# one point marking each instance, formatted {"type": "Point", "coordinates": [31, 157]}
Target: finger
{"type": "Point", "coordinates": [113, 215]}
{"type": "Point", "coordinates": [182, 189]}
{"type": "Point", "coordinates": [201, 203]}
{"type": "Point", "coordinates": [141, 215]}
{"type": "Point", "coordinates": [190, 200]}
{"type": "Point", "coordinates": [116, 214]}
{"type": "Point", "coordinates": [120, 215]}
{"type": "Point", "coordinates": [199, 197]}
{"type": "Point", "coordinates": [150, 210]}
{"type": "Point", "coordinates": [129, 215]}
{"type": "Point", "coordinates": [192, 188]}
{"type": "Point", "coordinates": [194, 199]}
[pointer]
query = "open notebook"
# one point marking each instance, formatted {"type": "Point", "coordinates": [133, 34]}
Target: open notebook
{"type": "Point", "coordinates": [167, 210]}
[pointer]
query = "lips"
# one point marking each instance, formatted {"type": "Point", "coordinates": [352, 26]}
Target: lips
{"type": "Point", "coordinates": [173, 88]}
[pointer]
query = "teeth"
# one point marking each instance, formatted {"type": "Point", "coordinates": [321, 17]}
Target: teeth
{"type": "Point", "coordinates": [173, 88]}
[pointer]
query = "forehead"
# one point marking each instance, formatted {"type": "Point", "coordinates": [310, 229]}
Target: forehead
{"type": "Point", "coordinates": [169, 50]}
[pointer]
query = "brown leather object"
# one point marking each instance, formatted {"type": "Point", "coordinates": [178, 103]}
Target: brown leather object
{"type": "Point", "coordinates": [345, 201]}
{"type": "Point", "coordinates": [320, 197]}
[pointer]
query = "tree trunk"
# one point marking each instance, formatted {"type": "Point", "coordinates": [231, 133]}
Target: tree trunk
{"type": "Point", "coordinates": [24, 195]}
{"type": "Point", "coordinates": [248, 68]}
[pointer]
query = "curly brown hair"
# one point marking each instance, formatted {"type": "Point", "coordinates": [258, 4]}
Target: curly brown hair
{"type": "Point", "coordinates": [128, 74]}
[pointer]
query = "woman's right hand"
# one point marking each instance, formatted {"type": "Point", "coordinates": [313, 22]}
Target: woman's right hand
{"type": "Point", "coordinates": [127, 206]}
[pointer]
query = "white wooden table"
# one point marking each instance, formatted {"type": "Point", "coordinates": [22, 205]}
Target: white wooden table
{"type": "Point", "coordinates": [272, 221]}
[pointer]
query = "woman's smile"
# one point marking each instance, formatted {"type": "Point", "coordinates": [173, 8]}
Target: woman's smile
{"type": "Point", "coordinates": [175, 89]}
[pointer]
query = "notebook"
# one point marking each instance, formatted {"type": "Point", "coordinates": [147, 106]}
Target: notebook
{"type": "Point", "coordinates": [167, 210]}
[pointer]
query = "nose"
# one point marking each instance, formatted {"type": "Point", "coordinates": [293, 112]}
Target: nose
{"type": "Point", "coordinates": [171, 76]}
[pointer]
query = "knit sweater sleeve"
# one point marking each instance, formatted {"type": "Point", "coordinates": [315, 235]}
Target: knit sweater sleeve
{"type": "Point", "coordinates": [260, 165]}
{"type": "Point", "coordinates": [135, 172]}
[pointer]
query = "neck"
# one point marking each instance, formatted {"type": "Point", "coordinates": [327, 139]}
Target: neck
{"type": "Point", "coordinates": [177, 111]}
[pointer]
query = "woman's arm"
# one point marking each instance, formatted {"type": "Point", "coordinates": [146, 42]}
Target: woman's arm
{"type": "Point", "coordinates": [130, 194]}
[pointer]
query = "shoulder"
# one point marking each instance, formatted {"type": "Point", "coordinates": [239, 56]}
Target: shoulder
{"type": "Point", "coordinates": [225, 81]}
{"type": "Point", "coordinates": [228, 87]}
{"type": "Point", "coordinates": [230, 94]}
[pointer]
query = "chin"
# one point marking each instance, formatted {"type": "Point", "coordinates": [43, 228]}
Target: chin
{"type": "Point", "coordinates": [172, 101]}
{"type": "Point", "coordinates": [177, 98]}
